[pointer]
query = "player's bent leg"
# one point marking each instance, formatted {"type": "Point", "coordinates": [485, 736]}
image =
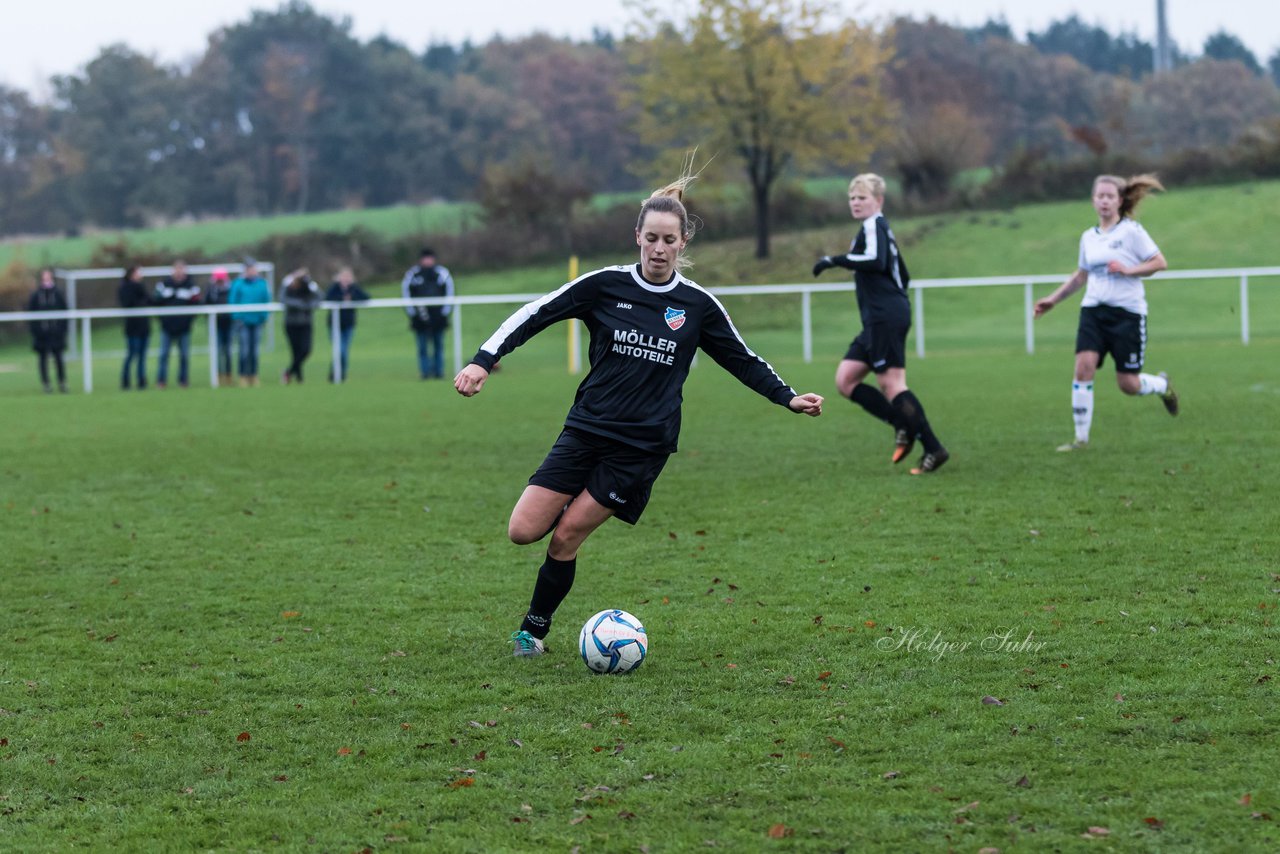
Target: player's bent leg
{"type": "Point", "coordinates": [581, 518]}
{"type": "Point", "coordinates": [1129, 383]}
{"type": "Point", "coordinates": [849, 373]}
{"type": "Point", "coordinates": [535, 514]}
{"type": "Point", "coordinates": [556, 575]}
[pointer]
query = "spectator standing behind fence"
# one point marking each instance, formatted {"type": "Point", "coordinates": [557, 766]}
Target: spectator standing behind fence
{"type": "Point", "coordinates": [428, 279]}
{"type": "Point", "coordinates": [219, 293]}
{"type": "Point", "coordinates": [249, 289]}
{"type": "Point", "coordinates": [300, 296]}
{"type": "Point", "coordinates": [176, 289]}
{"type": "Point", "coordinates": [49, 337]}
{"type": "Point", "coordinates": [137, 328]}
{"type": "Point", "coordinates": [345, 289]}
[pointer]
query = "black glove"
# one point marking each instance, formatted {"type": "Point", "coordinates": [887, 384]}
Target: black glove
{"type": "Point", "coordinates": [824, 263]}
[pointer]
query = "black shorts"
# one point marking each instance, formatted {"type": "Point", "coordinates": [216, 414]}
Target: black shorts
{"type": "Point", "coordinates": [1108, 329]}
{"type": "Point", "coordinates": [617, 475]}
{"type": "Point", "coordinates": [881, 345]}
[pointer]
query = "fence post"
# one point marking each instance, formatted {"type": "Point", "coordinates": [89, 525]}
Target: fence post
{"type": "Point", "coordinates": [806, 314]}
{"type": "Point", "coordinates": [919, 321]}
{"type": "Point", "coordinates": [213, 351]}
{"type": "Point", "coordinates": [335, 340]}
{"type": "Point", "coordinates": [1244, 309]}
{"type": "Point", "coordinates": [71, 304]}
{"type": "Point", "coordinates": [1029, 302]}
{"type": "Point", "coordinates": [455, 320]}
{"type": "Point", "coordinates": [87, 354]}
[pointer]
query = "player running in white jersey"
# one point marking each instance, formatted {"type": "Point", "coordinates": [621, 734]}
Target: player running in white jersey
{"type": "Point", "coordinates": [1115, 256]}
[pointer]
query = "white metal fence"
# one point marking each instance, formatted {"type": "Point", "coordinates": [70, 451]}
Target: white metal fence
{"type": "Point", "coordinates": [804, 291]}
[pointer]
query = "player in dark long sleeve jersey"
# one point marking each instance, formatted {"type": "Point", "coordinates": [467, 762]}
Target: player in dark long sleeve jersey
{"type": "Point", "coordinates": [881, 347]}
{"type": "Point", "coordinates": [646, 321]}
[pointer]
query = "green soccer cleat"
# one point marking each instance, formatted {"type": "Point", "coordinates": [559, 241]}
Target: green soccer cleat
{"type": "Point", "coordinates": [526, 645]}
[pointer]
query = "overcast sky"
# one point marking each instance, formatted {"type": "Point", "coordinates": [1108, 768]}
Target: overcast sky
{"type": "Point", "coordinates": [47, 37]}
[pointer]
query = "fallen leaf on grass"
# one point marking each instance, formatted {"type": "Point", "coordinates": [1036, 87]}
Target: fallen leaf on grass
{"type": "Point", "coordinates": [462, 783]}
{"type": "Point", "coordinates": [515, 742]}
{"type": "Point", "coordinates": [1153, 822]}
{"type": "Point", "coordinates": [826, 674]}
{"type": "Point", "coordinates": [626, 815]}
{"type": "Point", "coordinates": [988, 851]}
{"type": "Point", "coordinates": [969, 806]}
{"type": "Point", "coordinates": [281, 778]}
{"type": "Point", "coordinates": [344, 751]}
{"type": "Point", "coordinates": [779, 831]}
{"type": "Point", "coordinates": [244, 736]}
{"type": "Point", "coordinates": [1023, 782]}
{"type": "Point", "coordinates": [892, 775]}
{"type": "Point", "coordinates": [1260, 816]}
{"type": "Point", "coordinates": [1245, 799]}
{"type": "Point", "coordinates": [839, 745]}
{"type": "Point", "coordinates": [289, 615]}
{"type": "Point", "coordinates": [991, 701]}
{"type": "Point", "coordinates": [580, 819]}
{"type": "Point", "coordinates": [1096, 833]}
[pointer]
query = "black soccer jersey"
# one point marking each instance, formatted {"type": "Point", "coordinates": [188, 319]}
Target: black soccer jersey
{"type": "Point", "coordinates": [879, 272]}
{"type": "Point", "coordinates": [643, 339]}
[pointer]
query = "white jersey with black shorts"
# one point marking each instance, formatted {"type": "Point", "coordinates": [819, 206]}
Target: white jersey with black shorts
{"type": "Point", "coordinates": [625, 418]}
{"type": "Point", "coordinates": [1113, 313]}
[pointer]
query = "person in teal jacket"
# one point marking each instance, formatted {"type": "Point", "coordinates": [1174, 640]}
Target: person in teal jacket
{"type": "Point", "coordinates": [249, 289]}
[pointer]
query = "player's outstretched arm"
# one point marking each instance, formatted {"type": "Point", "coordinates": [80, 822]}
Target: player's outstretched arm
{"type": "Point", "coordinates": [808, 404]}
{"type": "Point", "coordinates": [470, 380]}
{"type": "Point", "coordinates": [1074, 282]}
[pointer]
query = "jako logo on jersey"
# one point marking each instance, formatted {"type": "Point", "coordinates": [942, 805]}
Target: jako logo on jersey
{"type": "Point", "coordinates": [624, 305]}
{"type": "Point", "coordinates": [674, 318]}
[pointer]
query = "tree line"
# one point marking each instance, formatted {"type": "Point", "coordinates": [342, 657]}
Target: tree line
{"type": "Point", "coordinates": [289, 111]}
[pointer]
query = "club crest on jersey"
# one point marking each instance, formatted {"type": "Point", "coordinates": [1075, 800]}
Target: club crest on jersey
{"type": "Point", "coordinates": [674, 318]}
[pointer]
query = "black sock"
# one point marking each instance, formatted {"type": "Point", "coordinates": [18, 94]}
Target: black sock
{"type": "Point", "coordinates": [911, 411]}
{"type": "Point", "coordinates": [555, 577]}
{"type": "Point", "coordinates": [874, 401]}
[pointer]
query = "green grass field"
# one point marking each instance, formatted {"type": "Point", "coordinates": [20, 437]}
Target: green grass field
{"type": "Point", "coordinates": [276, 618]}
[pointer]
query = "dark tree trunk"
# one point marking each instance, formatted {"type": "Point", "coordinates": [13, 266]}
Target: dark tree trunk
{"type": "Point", "coordinates": [760, 199]}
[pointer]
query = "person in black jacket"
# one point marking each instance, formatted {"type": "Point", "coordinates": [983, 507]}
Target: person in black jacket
{"type": "Point", "coordinates": [177, 289]}
{"type": "Point", "coordinates": [345, 289]}
{"type": "Point", "coordinates": [428, 279]}
{"type": "Point", "coordinates": [300, 296]}
{"type": "Point", "coordinates": [218, 293]}
{"type": "Point", "coordinates": [49, 337]}
{"type": "Point", "coordinates": [137, 328]}
{"type": "Point", "coordinates": [646, 321]}
{"type": "Point", "coordinates": [881, 347]}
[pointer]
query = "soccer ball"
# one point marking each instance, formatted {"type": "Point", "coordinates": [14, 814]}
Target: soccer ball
{"type": "Point", "coordinates": [613, 641]}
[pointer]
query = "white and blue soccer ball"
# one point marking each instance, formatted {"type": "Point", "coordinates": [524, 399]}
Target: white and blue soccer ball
{"type": "Point", "coordinates": [613, 641]}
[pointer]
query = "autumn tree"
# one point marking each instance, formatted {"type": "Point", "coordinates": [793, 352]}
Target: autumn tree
{"type": "Point", "coordinates": [769, 84]}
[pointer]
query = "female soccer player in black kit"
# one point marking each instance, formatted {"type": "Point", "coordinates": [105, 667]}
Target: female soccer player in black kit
{"type": "Point", "coordinates": [881, 346]}
{"type": "Point", "coordinates": [645, 320]}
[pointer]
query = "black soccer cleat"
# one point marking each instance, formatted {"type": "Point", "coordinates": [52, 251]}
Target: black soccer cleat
{"type": "Point", "coordinates": [903, 443]}
{"type": "Point", "coordinates": [1170, 397]}
{"type": "Point", "coordinates": [932, 462]}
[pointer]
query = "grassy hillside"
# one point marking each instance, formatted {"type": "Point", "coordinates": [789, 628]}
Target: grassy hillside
{"type": "Point", "coordinates": [1193, 226]}
{"type": "Point", "coordinates": [218, 235]}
